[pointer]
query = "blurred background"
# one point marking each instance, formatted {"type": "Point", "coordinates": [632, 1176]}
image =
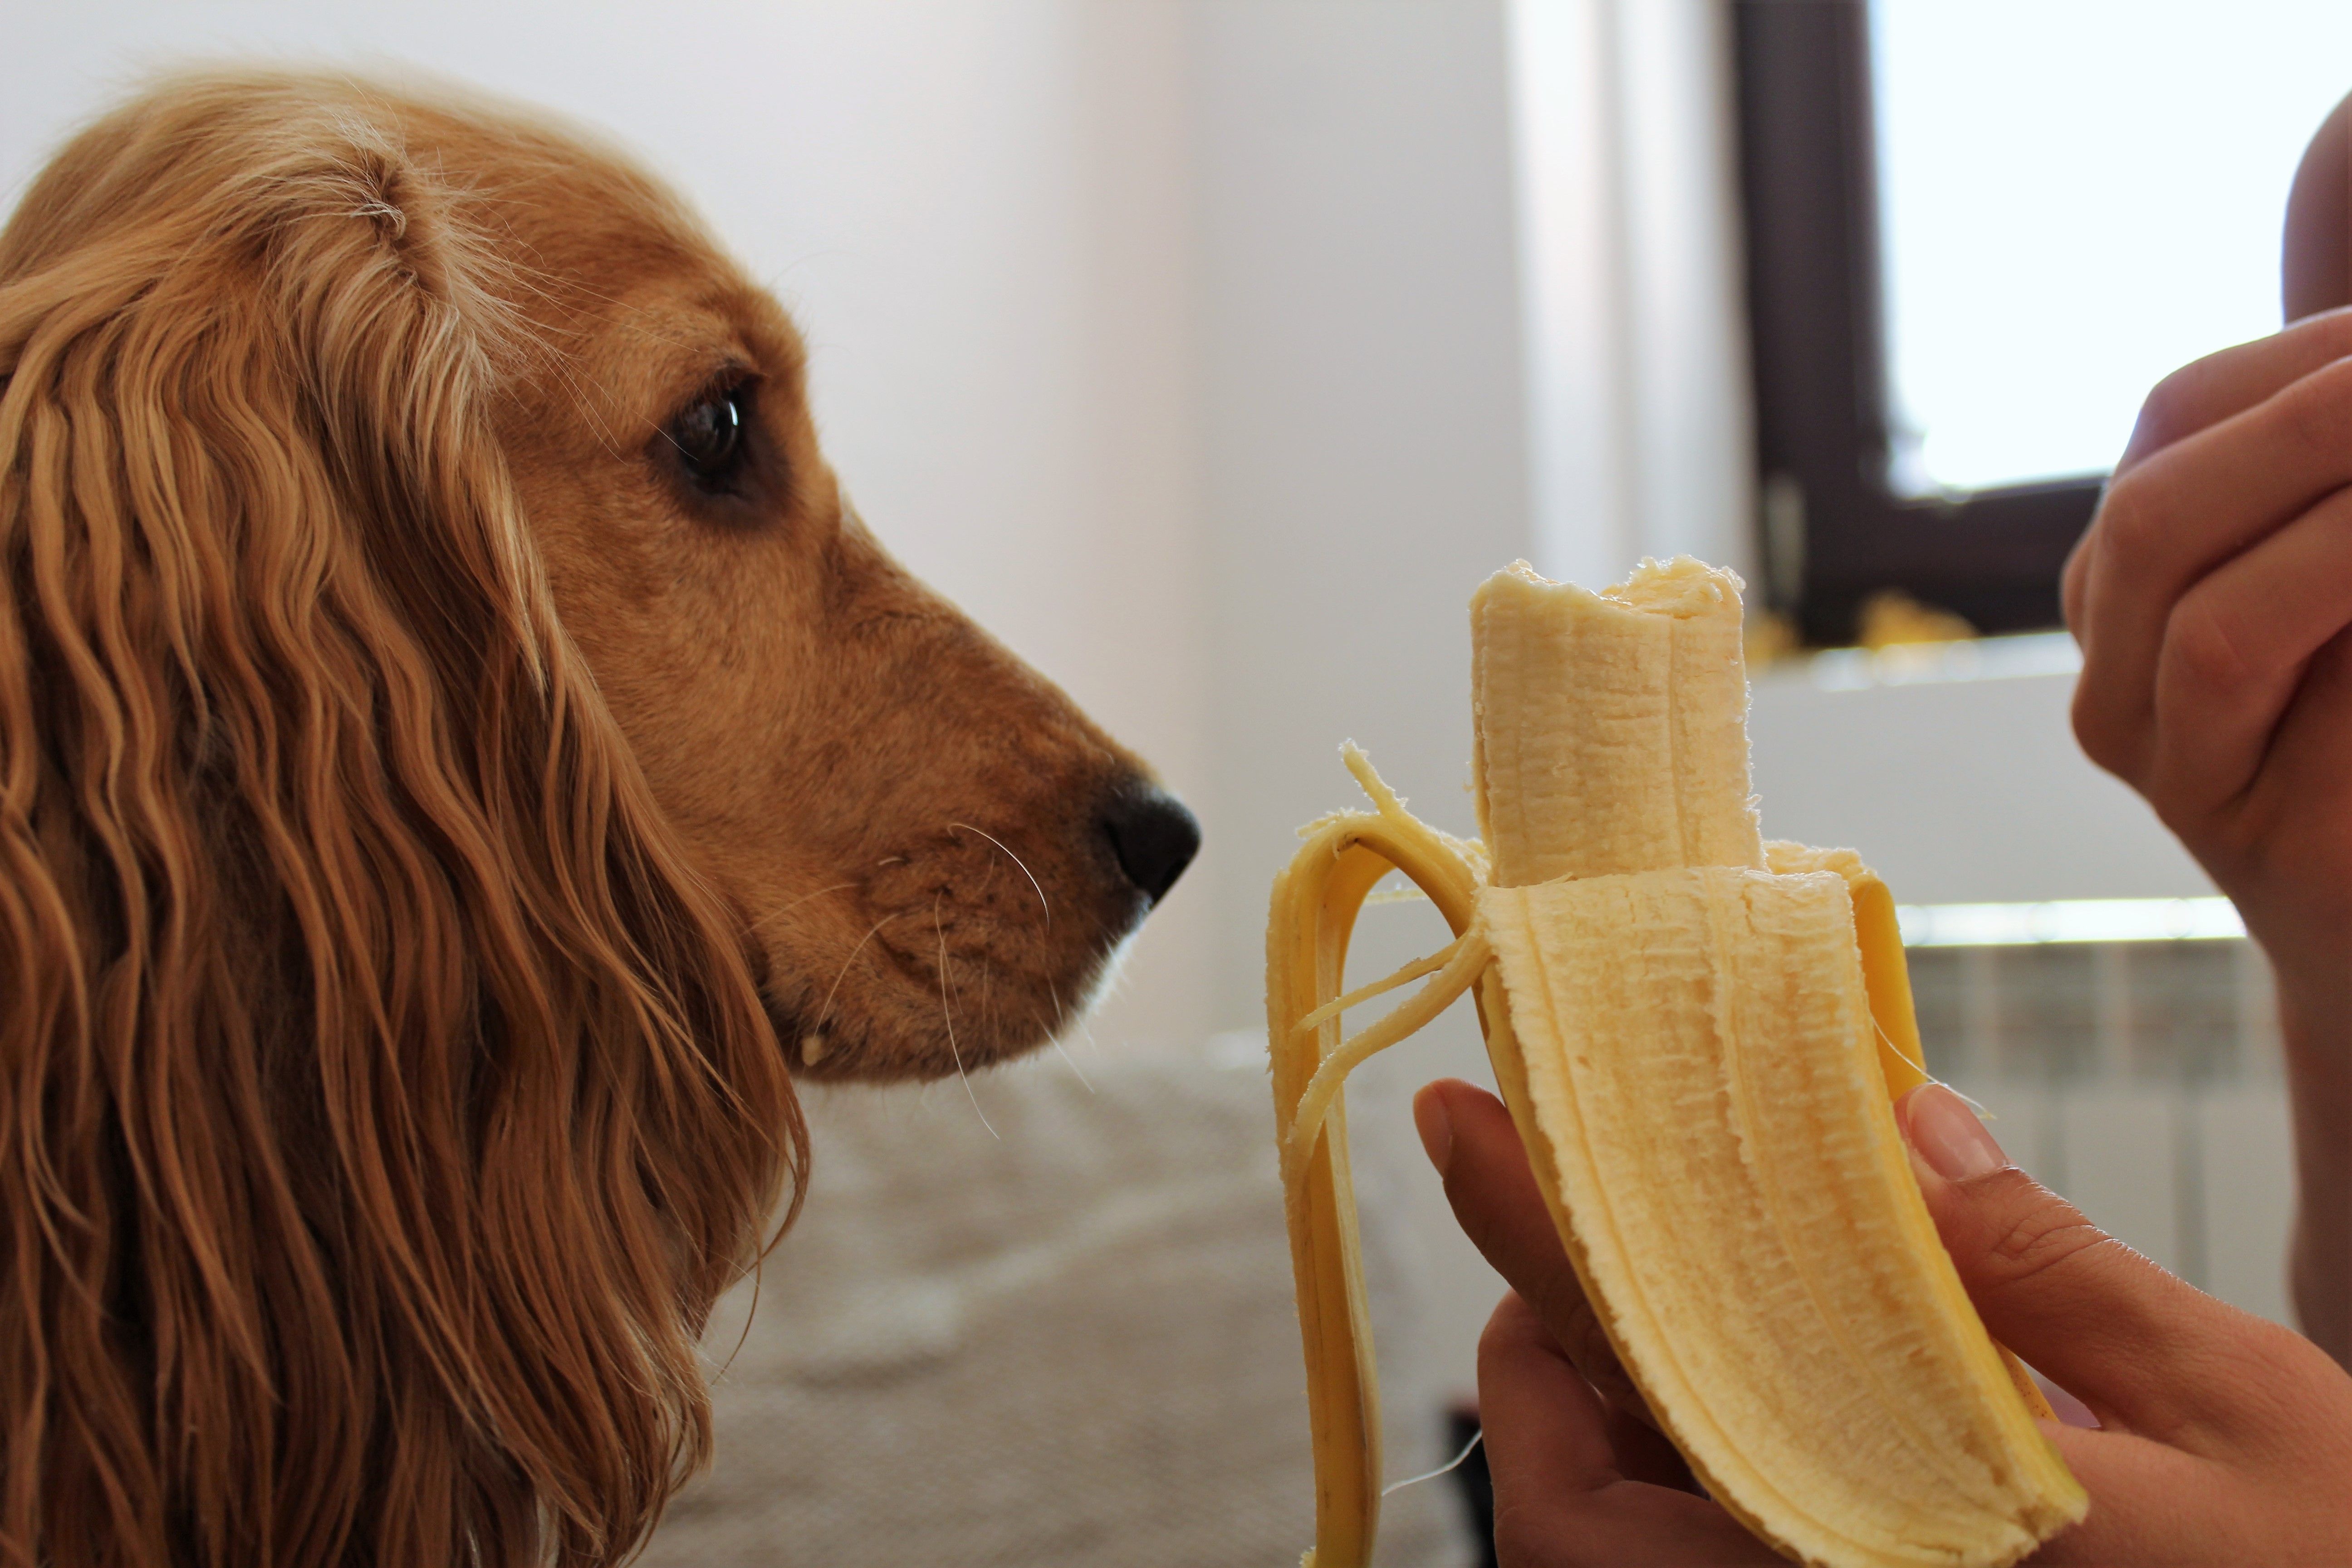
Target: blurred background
{"type": "Point", "coordinates": [1211, 352]}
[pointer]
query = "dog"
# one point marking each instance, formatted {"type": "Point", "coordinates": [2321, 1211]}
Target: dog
{"type": "Point", "coordinates": [461, 755]}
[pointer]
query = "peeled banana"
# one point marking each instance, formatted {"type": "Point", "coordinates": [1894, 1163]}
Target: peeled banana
{"type": "Point", "coordinates": [1700, 1035]}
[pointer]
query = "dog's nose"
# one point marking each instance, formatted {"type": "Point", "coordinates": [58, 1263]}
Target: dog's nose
{"type": "Point", "coordinates": [1153, 837]}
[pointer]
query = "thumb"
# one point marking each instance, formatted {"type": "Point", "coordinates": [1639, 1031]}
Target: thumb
{"type": "Point", "coordinates": [2139, 1345]}
{"type": "Point", "coordinates": [1476, 1150]}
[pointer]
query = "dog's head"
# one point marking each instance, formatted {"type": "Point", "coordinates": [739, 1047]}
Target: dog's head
{"type": "Point", "coordinates": [458, 752]}
{"type": "Point", "coordinates": [934, 849]}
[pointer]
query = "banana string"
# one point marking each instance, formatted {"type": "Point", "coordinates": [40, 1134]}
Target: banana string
{"type": "Point", "coordinates": [1362, 993]}
{"type": "Point", "coordinates": [1455, 1463]}
{"type": "Point", "coordinates": [1470, 957]}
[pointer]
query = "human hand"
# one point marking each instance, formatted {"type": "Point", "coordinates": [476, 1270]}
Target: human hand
{"type": "Point", "coordinates": [2212, 596]}
{"type": "Point", "coordinates": [2223, 1438]}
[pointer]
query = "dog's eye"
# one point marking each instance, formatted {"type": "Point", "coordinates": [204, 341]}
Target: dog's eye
{"type": "Point", "coordinates": [712, 439]}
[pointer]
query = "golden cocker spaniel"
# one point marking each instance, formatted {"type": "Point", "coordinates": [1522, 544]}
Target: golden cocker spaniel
{"type": "Point", "coordinates": [459, 754]}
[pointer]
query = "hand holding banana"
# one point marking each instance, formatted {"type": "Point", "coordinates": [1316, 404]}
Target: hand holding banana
{"type": "Point", "coordinates": [1697, 1032]}
{"type": "Point", "coordinates": [2225, 1440]}
{"type": "Point", "coordinates": [1717, 1271]}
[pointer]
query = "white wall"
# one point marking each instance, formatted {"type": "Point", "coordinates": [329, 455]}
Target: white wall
{"type": "Point", "coordinates": [979, 213]}
{"type": "Point", "coordinates": [1362, 418]}
{"type": "Point", "coordinates": [1365, 463]}
{"type": "Point", "coordinates": [1957, 791]}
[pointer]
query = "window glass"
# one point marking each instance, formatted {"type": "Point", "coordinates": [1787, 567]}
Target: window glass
{"type": "Point", "coordinates": [2077, 197]}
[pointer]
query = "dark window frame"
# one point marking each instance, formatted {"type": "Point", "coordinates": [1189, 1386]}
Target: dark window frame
{"type": "Point", "coordinates": [1833, 531]}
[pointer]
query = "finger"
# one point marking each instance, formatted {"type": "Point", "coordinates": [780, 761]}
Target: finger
{"type": "Point", "coordinates": [2177, 517]}
{"type": "Point", "coordinates": [1547, 1430]}
{"type": "Point", "coordinates": [1499, 1207]}
{"type": "Point", "coordinates": [2309, 754]}
{"type": "Point", "coordinates": [2149, 1352]}
{"type": "Point", "coordinates": [1644, 1454]}
{"type": "Point", "coordinates": [2208, 391]}
{"type": "Point", "coordinates": [2147, 1502]}
{"type": "Point", "coordinates": [2235, 649]}
{"type": "Point", "coordinates": [1561, 1500]}
{"type": "Point", "coordinates": [2201, 394]}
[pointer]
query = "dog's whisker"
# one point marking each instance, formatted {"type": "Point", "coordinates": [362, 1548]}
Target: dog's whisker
{"type": "Point", "coordinates": [1074, 1065]}
{"type": "Point", "coordinates": [519, 274]}
{"type": "Point", "coordinates": [589, 401]}
{"type": "Point", "coordinates": [774, 915]}
{"type": "Point", "coordinates": [585, 407]}
{"type": "Point", "coordinates": [1016, 859]}
{"type": "Point", "coordinates": [826, 1011]}
{"type": "Point", "coordinates": [581, 400]}
{"type": "Point", "coordinates": [947, 1015]}
{"type": "Point", "coordinates": [558, 362]}
{"type": "Point", "coordinates": [575, 286]}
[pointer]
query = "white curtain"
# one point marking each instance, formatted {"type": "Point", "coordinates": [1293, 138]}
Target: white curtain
{"type": "Point", "coordinates": [1638, 400]}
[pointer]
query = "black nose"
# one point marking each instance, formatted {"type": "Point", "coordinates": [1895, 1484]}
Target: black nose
{"type": "Point", "coordinates": [1153, 837]}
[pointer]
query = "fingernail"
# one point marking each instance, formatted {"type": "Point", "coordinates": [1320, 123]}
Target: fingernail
{"type": "Point", "coordinates": [1436, 1125]}
{"type": "Point", "coordinates": [1947, 1134]}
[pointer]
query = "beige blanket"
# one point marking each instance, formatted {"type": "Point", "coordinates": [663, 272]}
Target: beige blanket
{"type": "Point", "coordinates": [1069, 1342]}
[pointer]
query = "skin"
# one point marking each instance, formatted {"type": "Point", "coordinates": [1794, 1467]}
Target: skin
{"type": "Point", "coordinates": [891, 800]}
{"type": "Point", "coordinates": [2212, 598]}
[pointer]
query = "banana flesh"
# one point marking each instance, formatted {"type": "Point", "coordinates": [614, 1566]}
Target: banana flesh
{"type": "Point", "coordinates": [1700, 1035]}
{"type": "Point", "coordinates": [1611, 731]}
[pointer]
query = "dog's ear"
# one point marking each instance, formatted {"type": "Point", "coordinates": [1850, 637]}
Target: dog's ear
{"type": "Point", "coordinates": [384, 1104]}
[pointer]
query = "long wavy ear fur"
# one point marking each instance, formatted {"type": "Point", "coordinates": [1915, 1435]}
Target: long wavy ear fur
{"type": "Point", "coordinates": [382, 1103]}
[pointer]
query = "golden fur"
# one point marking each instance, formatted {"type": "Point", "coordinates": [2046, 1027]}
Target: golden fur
{"type": "Point", "coordinates": [429, 819]}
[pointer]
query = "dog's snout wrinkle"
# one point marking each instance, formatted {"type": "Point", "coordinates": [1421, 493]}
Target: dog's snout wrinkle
{"type": "Point", "coordinates": [1152, 837]}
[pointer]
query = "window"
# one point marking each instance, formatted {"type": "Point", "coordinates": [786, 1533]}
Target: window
{"type": "Point", "coordinates": [1975, 235]}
